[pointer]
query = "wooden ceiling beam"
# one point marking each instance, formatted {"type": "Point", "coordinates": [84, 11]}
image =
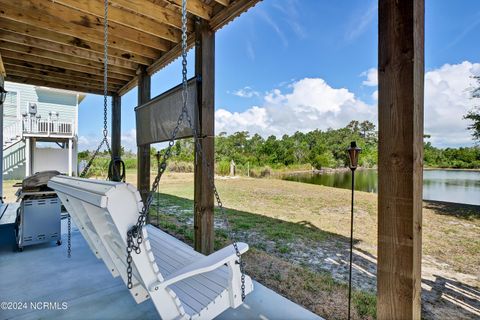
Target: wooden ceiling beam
{"type": "Point", "coordinates": [164, 60]}
{"type": "Point", "coordinates": [60, 64]}
{"type": "Point", "coordinates": [52, 77]}
{"type": "Point", "coordinates": [217, 22]}
{"type": "Point", "coordinates": [71, 51]}
{"type": "Point", "coordinates": [229, 13]}
{"type": "Point", "coordinates": [2, 69]}
{"type": "Point", "coordinates": [56, 85]}
{"type": "Point", "coordinates": [25, 66]}
{"type": "Point", "coordinates": [71, 43]}
{"type": "Point", "coordinates": [113, 70]}
{"type": "Point", "coordinates": [195, 7]}
{"type": "Point", "coordinates": [125, 18]}
{"type": "Point", "coordinates": [224, 3]}
{"type": "Point", "coordinates": [152, 11]}
{"type": "Point", "coordinates": [63, 20]}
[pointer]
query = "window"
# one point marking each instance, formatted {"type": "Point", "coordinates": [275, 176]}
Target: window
{"type": "Point", "coordinates": [11, 98]}
{"type": "Point", "coordinates": [11, 108]}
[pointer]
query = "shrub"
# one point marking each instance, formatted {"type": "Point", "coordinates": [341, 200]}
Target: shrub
{"type": "Point", "coordinates": [180, 166]}
{"type": "Point", "coordinates": [223, 168]}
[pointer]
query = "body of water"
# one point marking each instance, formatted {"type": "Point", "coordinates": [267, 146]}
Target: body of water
{"type": "Point", "coordinates": [457, 186]}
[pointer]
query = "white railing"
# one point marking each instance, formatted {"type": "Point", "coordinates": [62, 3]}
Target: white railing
{"type": "Point", "coordinates": [47, 127]}
{"type": "Point", "coordinates": [13, 160]}
{"type": "Point", "coordinates": [12, 133]}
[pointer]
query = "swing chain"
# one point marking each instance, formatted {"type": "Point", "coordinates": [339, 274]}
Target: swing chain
{"type": "Point", "coordinates": [105, 94]}
{"type": "Point", "coordinates": [136, 230]}
{"type": "Point", "coordinates": [105, 115]}
{"type": "Point", "coordinates": [69, 246]}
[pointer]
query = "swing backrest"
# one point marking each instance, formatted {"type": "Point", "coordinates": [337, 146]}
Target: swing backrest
{"type": "Point", "coordinates": [104, 211]}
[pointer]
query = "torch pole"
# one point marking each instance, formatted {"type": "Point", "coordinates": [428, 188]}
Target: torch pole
{"type": "Point", "coordinates": [351, 246]}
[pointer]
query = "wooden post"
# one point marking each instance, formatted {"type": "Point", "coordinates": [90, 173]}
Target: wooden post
{"type": "Point", "coordinates": [400, 163]}
{"type": "Point", "coordinates": [28, 150]}
{"type": "Point", "coordinates": [143, 151]}
{"type": "Point", "coordinates": [116, 126]}
{"type": "Point", "coordinates": [70, 157]}
{"type": "Point", "coordinates": [2, 75]}
{"type": "Point", "coordinates": [203, 195]}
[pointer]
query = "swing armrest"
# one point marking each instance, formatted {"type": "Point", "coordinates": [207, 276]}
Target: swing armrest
{"type": "Point", "coordinates": [206, 263]}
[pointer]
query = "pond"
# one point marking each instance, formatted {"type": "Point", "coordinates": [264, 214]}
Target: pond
{"type": "Point", "coordinates": [459, 186]}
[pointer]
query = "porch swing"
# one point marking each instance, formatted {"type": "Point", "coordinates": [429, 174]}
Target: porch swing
{"type": "Point", "coordinates": [182, 283]}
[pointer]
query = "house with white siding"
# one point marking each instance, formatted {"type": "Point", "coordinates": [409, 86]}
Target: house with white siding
{"type": "Point", "coordinates": [40, 127]}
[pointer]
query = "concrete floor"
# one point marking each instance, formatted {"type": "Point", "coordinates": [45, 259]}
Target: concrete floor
{"type": "Point", "coordinates": [82, 288]}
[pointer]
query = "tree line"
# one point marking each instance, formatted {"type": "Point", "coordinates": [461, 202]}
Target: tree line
{"type": "Point", "coordinates": [316, 149]}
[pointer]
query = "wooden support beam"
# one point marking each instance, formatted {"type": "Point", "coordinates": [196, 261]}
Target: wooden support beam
{"type": "Point", "coordinates": [153, 11]}
{"type": "Point", "coordinates": [203, 193]}
{"type": "Point", "coordinates": [143, 151]}
{"type": "Point", "coordinates": [125, 18]}
{"type": "Point", "coordinates": [69, 42]}
{"type": "Point", "coordinates": [57, 85]}
{"type": "Point", "coordinates": [59, 64]}
{"type": "Point", "coordinates": [195, 7]}
{"type": "Point", "coordinates": [42, 75]}
{"type": "Point", "coordinates": [52, 79]}
{"type": "Point", "coordinates": [229, 13]}
{"type": "Point", "coordinates": [116, 128]}
{"type": "Point", "coordinates": [224, 3]}
{"type": "Point", "coordinates": [63, 20]}
{"type": "Point", "coordinates": [164, 60]}
{"type": "Point", "coordinates": [217, 22]}
{"type": "Point", "coordinates": [2, 71]}
{"type": "Point", "coordinates": [65, 50]}
{"type": "Point", "coordinates": [57, 72]}
{"type": "Point", "coordinates": [41, 53]}
{"type": "Point", "coordinates": [400, 164]}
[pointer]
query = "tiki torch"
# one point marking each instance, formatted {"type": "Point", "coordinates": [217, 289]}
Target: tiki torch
{"type": "Point", "coordinates": [353, 153]}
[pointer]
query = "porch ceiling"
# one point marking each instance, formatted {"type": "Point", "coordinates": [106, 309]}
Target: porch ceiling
{"type": "Point", "coordinates": [59, 43]}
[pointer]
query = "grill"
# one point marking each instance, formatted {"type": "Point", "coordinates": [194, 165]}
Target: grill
{"type": "Point", "coordinates": [39, 214]}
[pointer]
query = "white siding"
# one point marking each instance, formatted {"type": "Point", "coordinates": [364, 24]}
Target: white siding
{"type": "Point", "coordinates": [47, 100]}
{"type": "Point", "coordinates": [50, 159]}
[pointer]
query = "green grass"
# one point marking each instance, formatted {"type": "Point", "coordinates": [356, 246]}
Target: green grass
{"type": "Point", "coordinates": [365, 303]}
{"type": "Point", "coordinates": [298, 283]}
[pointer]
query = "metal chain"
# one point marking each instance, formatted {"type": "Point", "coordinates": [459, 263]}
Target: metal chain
{"type": "Point", "coordinates": [105, 70]}
{"type": "Point", "coordinates": [136, 231]}
{"type": "Point", "coordinates": [69, 246]}
{"type": "Point", "coordinates": [105, 95]}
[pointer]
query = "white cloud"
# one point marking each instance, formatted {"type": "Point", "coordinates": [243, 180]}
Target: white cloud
{"type": "Point", "coordinates": [372, 77]}
{"type": "Point", "coordinates": [312, 103]}
{"type": "Point", "coordinates": [246, 92]}
{"type": "Point", "coordinates": [129, 140]}
{"type": "Point", "coordinates": [359, 24]}
{"type": "Point", "coordinates": [447, 99]}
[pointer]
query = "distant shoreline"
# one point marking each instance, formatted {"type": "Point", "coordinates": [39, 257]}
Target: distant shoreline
{"type": "Point", "coordinates": [345, 169]}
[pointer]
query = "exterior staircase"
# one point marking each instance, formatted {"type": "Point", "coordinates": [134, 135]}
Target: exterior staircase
{"type": "Point", "coordinates": [12, 135]}
{"type": "Point", "coordinates": [13, 157]}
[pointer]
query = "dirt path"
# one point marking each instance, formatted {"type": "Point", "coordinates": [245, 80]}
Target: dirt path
{"type": "Point", "coordinates": [446, 294]}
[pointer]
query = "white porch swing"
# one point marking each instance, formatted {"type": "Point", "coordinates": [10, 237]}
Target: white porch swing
{"type": "Point", "coordinates": [182, 283]}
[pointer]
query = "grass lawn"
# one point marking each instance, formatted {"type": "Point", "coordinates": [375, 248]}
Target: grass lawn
{"type": "Point", "coordinates": [298, 234]}
{"type": "Point", "coordinates": [287, 223]}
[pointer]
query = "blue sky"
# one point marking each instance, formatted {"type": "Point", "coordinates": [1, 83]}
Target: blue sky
{"type": "Point", "coordinates": [289, 65]}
